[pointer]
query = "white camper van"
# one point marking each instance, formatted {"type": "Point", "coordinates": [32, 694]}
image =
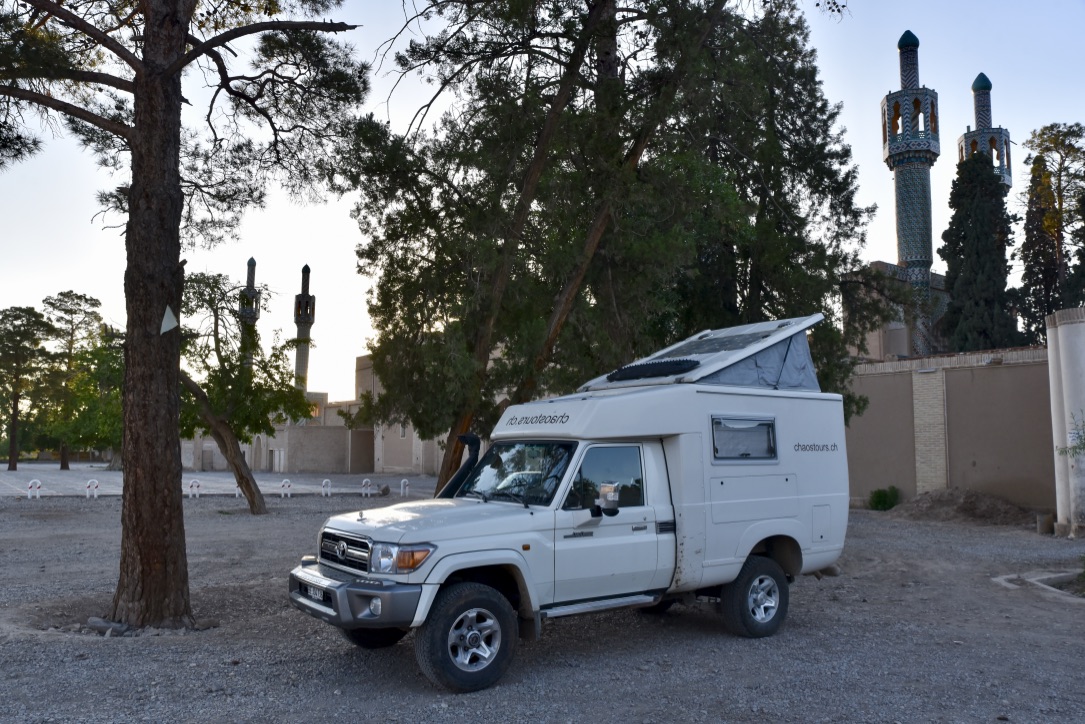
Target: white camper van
{"type": "Point", "coordinates": [711, 471]}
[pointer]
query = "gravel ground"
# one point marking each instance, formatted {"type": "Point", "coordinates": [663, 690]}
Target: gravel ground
{"type": "Point", "coordinates": [913, 630]}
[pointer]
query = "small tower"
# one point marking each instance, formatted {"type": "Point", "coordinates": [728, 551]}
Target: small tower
{"type": "Point", "coordinates": [248, 311]}
{"type": "Point", "coordinates": [986, 138]}
{"type": "Point", "coordinates": [910, 147]}
{"type": "Point", "coordinates": [304, 316]}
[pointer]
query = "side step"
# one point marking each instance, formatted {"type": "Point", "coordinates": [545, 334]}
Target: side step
{"type": "Point", "coordinates": [592, 606]}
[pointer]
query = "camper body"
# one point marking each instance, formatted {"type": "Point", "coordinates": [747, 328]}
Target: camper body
{"type": "Point", "coordinates": [636, 491]}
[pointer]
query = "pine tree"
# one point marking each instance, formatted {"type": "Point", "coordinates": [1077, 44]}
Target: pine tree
{"type": "Point", "coordinates": [1062, 146]}
{"type": "Point", "coordinates": [1040, 293]}
{"type": "Point", "coordinates": [974, 249]}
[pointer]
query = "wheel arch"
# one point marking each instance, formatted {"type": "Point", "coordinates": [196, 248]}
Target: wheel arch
{"type": "Point", "coordinates": [783, 549]}
{"type": "Point", "coordinates": [504, 573]}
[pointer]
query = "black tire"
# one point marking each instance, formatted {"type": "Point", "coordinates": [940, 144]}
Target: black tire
{"type": "Point", "coordinates": [468, 639]}
{"type": "Point", "coordinates": [754, 605]}
{"type": "Point", "coordinates": [374, 638]}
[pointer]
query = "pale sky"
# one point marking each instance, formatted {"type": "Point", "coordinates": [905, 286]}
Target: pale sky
{"type": "Point", "coordinates": [1029, 50]}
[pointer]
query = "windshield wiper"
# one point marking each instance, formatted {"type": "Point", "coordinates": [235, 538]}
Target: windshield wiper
{"type": "Point", "coordinates": [477, 494]}
{"type": "Point", "coordinates": [515, 496]}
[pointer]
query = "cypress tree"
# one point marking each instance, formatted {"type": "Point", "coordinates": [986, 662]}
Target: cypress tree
{"type": "Point", "coordinates": [1041, 290]}
{"type": "Point", "coordinates": [974, 249]}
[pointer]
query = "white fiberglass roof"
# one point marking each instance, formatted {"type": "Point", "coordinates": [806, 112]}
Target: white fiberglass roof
{"type": "Point", "coordinates": [707, 353]}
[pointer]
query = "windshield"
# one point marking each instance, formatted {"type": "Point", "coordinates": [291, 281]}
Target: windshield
{"type": "Point", "coordinates": [521, 472]}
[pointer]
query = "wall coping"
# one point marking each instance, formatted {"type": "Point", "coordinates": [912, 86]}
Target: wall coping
{"type": "Point", "coordinates": [986, 358]}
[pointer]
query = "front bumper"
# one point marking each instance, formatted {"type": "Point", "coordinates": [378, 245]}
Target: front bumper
{"type": "Point", "coordinates": [346, 601]}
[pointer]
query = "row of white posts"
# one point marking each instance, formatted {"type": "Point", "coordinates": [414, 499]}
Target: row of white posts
{"type": "Point", "coordinates": [33, 489]}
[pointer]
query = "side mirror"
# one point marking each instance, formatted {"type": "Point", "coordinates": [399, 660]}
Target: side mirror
{"type": "Point", "coordinates": [596, 511]}
{"type": "Point", "coordinates": [608, 498]}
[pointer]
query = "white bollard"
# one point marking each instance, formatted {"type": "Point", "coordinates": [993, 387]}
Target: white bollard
{"type": "Point", "coordinates": [367, 488]}
{"type": "Point", "coordinates": [33, 489]}
{"type": "Point", "coordinates": [194, 485]}
{"type": "Point", "coordinates": [404, 488]}
{"type": "Point", "coordinates": [326, 488]}
{"type": "Point", "coordinates": [284, 489]}
{"type": "Point", "coordinates": [92, 485]}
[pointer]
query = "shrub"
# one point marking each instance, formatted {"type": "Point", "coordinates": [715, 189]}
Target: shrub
{"type": "Point", "coordinates": [882, 499]}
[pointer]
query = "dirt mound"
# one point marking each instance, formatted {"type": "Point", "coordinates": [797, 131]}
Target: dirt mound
{"type": "Point", "coordinates": [954, 504]}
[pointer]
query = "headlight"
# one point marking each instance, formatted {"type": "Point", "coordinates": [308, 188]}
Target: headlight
{"type": "Point", "coordinates": [390, 558]}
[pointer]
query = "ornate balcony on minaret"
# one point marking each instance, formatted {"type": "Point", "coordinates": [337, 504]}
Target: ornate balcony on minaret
{"type": "Point", "coordinates": [986, 138]}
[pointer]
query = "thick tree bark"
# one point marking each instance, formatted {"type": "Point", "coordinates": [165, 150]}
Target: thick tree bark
{"type": "Point", "coordinates": [229, 446]}
{"type": "Point", "coordinates": [13, 430]}
{"type": "Point", "coordinates": [64, 455]}
{"type": "Point", "coordinates": [152, 589]}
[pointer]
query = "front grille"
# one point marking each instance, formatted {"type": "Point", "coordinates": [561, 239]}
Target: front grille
{"type": "Point", "coordinates": [344, 550]}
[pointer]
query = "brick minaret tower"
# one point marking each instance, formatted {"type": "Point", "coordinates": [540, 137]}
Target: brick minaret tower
{"type": "Point", "coordinates": [304, 315]}
{"type": "Point", "coordinates": [910, 147]}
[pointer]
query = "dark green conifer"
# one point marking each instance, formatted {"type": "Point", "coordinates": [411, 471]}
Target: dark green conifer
{"type": "Point", "coordinates": [1040, 293]}
{"type": "Point", "coordinates": [974, 249]}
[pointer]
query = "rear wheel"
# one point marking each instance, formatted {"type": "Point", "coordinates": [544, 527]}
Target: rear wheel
{"type": "Point", "coordinates": [754, 605]}
{"type": "Point", "coordinates": [374, 638]}
{"type": "Point", "coordinates": [468, 639]}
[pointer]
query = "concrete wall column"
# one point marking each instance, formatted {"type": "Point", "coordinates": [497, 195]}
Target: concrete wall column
{"type": "Point", "coordinates": [1058, 424]}
{"type": "Point", "coordinates": [929, 414]}
{"type": "Point", "coordinates": [1071, 343]}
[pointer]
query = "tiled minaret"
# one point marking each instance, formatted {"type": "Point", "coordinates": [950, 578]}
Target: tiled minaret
{"type": "Point", "coordinates": [248, 311]}
{"type": "Point", "coordinates": [304, 316]}
{"type": "Point", "coordinates": [986, 138]}
{"type": "Point", "coordinates": [910, 147]}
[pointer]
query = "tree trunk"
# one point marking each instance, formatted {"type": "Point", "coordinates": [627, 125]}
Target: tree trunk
{"type": "Point", "coordinates": [450, 462]}
{"type": "Point", "coordinates": [64, 456]}
{"type": "Point", "coordinates": [152, 589]}
{"type": "Point", "coordinates": [229, 446]}
{"type": "Point", "coordinates": [13, 430]}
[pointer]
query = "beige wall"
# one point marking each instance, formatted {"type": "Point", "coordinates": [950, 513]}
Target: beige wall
{"type": "Point", "coordinates": [881, 442]}
{"type": "Point", "coordinates": [998, 421]}
{"type": "Point", "coordinates": [973, 421]}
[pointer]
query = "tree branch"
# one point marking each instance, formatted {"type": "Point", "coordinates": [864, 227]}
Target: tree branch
{"type": "Point", "coordinates": [117, 129]}
{"type": "Point", "coordinates": [77, 23]}
{"type": "Point", "coordinates": [80, 76]}
{"type": "Point", "coordinates": [235, 33]}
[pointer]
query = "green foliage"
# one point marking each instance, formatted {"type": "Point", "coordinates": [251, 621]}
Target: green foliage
{"type": "Point", "coordinates": [1062, 148]}
{"type": "Point", "coordinates": [60, 400]}
{"type": "Point", "coordinates": [1076, 433]}
{"type": "Point", "coordinates": [24, 361]}
{"type": "Point", "coordinates": [884, 498]}
{"type": "Point", "coordinates": [249, 388]}
{"type": "Point", "coordinates": [974, 248]}
{"type": "Point", "coordinates": [1040, 293]}
{"type": "Point", "coordinates": [712, 163]}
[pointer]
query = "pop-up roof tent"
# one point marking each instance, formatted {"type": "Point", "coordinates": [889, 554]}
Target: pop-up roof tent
{"type": "Point", "coordinates": [772, 355]}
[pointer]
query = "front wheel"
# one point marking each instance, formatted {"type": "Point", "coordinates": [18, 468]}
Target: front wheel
{"type": "Point", "coordinates": [755, 604]}
{"type": "Point", "coordinates": [468, 639]}
{"type": "Point", "coordinates": [374, 638]}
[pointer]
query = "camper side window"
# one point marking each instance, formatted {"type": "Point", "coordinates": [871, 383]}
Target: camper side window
{"type": "Point", "coordinates": [743, 439]}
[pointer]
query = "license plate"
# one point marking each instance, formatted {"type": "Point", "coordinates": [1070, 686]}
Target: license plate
{"type": "Point", "coordinates": [317, 594]}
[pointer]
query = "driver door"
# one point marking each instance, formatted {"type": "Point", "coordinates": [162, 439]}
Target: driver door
{"type": "Point", "coordinates": [596, 555]}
